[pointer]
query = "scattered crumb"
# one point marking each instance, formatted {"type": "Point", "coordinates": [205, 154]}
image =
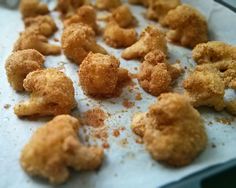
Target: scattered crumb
{"type": "Point", "coordinates": [139, 140]}
{"type": "Point", "coordinates": [210, 123]}
{"type": "Point", "coordinates": [226, 121]}
{"type": "Point", "coordinates": [124, 142]}
{"type": "Point", "coordinates": [116, 133]}
{"type": "Point", "coordinates": [138, 97]}
{"type": "Point", "coordinates": [105, 145]}
{"type": "Point", "coordinates": [135, 68]}
{"type": "Point", "coordinates": [56, 39]}
{"type": "Point", "coordinates": [94, 117]}
{"type": "Point", "coordinates": [213, 145]}
{"type": "Point", "coordinates": [6, 106]}
{"type": "Point", "coordinates": [134, 76]}
{"type": "Point", "coordinates": [128, 104]}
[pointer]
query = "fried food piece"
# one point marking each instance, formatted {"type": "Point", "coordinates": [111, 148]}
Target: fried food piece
{"type": "Point", "coordinates": [21, 63]}
{"type": "Point", "coordinates": [44, 25]}
{"type": "Point", "coordinates": [189, 26]}
{"type": "Point", "coordinates": [205, 88]}
{"type": "Point", "coordinates": [231, 106]}
{"type": "Point", "coordinates": [213, 51]}
{"type": "Point", "coordinates": [68, 7]}
{"type": "Point", "coordinates": [156, 74]}
{"type": "Point", "coordinates": [138, 124]}
{"type": "Point", "coordinates": [150, 39]}
{"type": "Point", "coordinates": [55, 147]}
{"type": "Point", "coordinates": [52, 93]}
{"type": "Point", "coordinates": [32, 39]}
{"type": "Point", "coordinates": [78, 40]}
{"type": "Point", "coordinates": [139, 2]}
{"type": "Point", "coordinates": [158, 9]}
{"type": "Point", "coordinates": [226, 69]}
{"type": "Point", "coordinates": [32, 8]}
{"type": "Point", "coordinates": [86, 14]}
{"type": "Point", "coordinates": [123, 16]}
{"type": "Point", "coordinates": [175, 134]}
{"type": "Point", "coordinates": [107, 4]}
{"type": "Point", "coordinates": [100, 75]}
{"type": "Point", "coordinates": [118, 37]}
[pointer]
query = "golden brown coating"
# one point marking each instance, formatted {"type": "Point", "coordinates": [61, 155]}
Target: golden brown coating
{"type": "Point", "coordinates": [213, 51]}
{"type": "Point", "coordinates": [32, 39]}
{"type": "Point", "coordinates": [86, 14]}
{"type": "Point", "coordinates": [226, 69]}
{"type": "Point", "coordinates": [205, 88]}
{"type": "Point", "coordinates": [118, 37]}
{"type": "Point", "coordinates": [158, 9]}
{"type": "Point", "coordinates": [55, 147]}
{"type": "Point", "coordinates": [139, 122]}
{"type": "Point", "coordinates": [21, 63]}
{"type": "Point", "coordinates": [78, 40]}
{"type": "Point", "coordinates": [150, 39]}
{"type": "Point", "coordinates": [189, 27]}
{"type": "Point", "coordinates": [52, 93]}
{"type": "Point", "coordinates": [68, 7]}
{"type": "Point", "coordinates": [107, 4]}
{"type": "Point", "coordinates": [231, 106]}
{"type": "Point", "coordinates": [44, 25]}
{"type": "Point", "coordinates": [100, 75]}
{"type": "Point", "coordinates": [123, 16]}
{"type": "Point", "coordinates": [156, 74]}
{"type": "Point", "coordinates": [139, 2]}
{"type": "Point", "coordinates": [174, 133]}
{"type": "Point", "coordinates": [32, 8]}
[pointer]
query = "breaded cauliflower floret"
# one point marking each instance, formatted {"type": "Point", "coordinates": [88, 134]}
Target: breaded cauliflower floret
{"type": "Point", "coordinates": [78, 40]}
{"type": "Point", "coordinates": [32, 8]}
{"type": "Point", "coordinates": [213, 51]}
{"type": "Point", "coordinates": [123, 16]}
{"type": "Point", "coordinates": [52, 93]}
{"type": "Point", "coordinates": [32, 39]}
{"type": "Point", "coordinates": [100, 75]}
{"type": "Point", "coordinates": [205, 88]}
{"type": "Point", "coordinates": [150, 39]}
{"type": "Point", "coordinates": [68, 7]}
{"type": "Point", "coordinates": [55, 147]}
{"type": "Point", "coordinates": [85, 14]}
{"type": "Point", "coordinates": [107, 4]}
{"type": "Point", "coordinates": [118, 37]}
{"type": "Point", "coordinates": [21, 63]}
{"type": "Point", "coordinates": [189, 26]}
{"type": "Point", "coordinates": [44, 25]}
{"type": "Point", "coordinates": [158, 9]}
{"type": "Point", "coordinates": [174, 131]}
{"type": "Point", "coordinates": [140, 2]}
{"type": "Point", "coordinates": [156, 74]}
{"type": "Point", "coordinates": [226, 69]}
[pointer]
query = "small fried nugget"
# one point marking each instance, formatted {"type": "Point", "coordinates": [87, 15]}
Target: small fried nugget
{"type": "Point", "coordinates": [21, 63]}
{"type": "Point", "coordinates": [158, 9]}
{"type": "Point", "coordinates": [123, 16]}
{"type": "Point", "coordinates": [32, 39]}
{"type": "Point", "coordinates": [69, 7]}
{"type": "Point", "coordinates": [44, 25]}
{"type": "Point", "coordinates": [213, 51]}
{"type": "Point", "coordinates": [78, 40]}
{"type": "Point", "coordinates": [118, 37]}
{"type": "Point", "coordinates": [150, 39]}
{"type": "Point", "coordinates": [52, 93]}
{"type": "Point", "coordinates": [139, 122]}
{"type": "Point", "coordinates": [205, 88]}
{"type": "Point", "coordinates": [189, 26]}
{"type": "Point", "coordinates": [32, 8]}
{"type": "Point", "coordinates": [107, 4]}
{"type": "Point", "coordinates": [85, 14]}
{"type": "Point", "coordinates": [174, 132]}
{"type": "Point", "coordinates": [55, 147]}
{"type": "Point", "coordinates": [156, 74]}
{"type": "Point", "coordinates": [100, 75]}
{"type": "Point", "coordinates": [140, 2]}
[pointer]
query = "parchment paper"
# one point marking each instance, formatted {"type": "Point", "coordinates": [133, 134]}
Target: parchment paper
{"type": "Point", "coordinates": [125, 165]}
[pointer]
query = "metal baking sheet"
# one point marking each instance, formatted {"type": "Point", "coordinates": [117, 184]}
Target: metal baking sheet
{"type": "Point", "coordinates": [126, 164]}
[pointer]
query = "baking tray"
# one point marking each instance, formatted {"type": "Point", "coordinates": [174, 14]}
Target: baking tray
{"type": "Point", "coordinates": [126, 164]}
